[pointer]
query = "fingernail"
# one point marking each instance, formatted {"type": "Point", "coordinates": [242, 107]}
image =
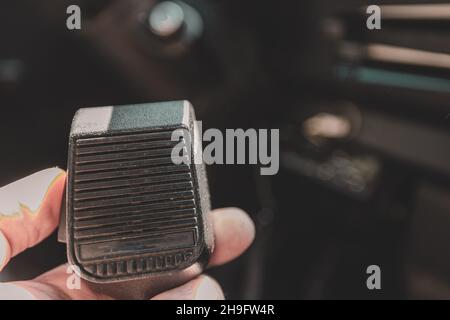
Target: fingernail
{"type": "Point", "coordinates": [208, 290]}
{"type": "Point", "coordinates": [9, 291]}
{"type": "Point", "coordinates": [29, 192]}
{"type": "Point", "coordinates": [3, 251]}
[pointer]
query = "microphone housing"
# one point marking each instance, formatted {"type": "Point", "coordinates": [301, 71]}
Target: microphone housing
{"type": "Point", "coordinates": [131, 213]}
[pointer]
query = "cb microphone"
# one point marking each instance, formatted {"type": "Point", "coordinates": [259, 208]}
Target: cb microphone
{"type": "Point", "coordinates": [136, 222]}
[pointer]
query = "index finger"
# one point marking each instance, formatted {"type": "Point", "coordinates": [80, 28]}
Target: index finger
{"type": "Point", "coordinates": [29, 211]}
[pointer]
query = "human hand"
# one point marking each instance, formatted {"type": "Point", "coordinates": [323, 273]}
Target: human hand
{"type": "Point", "coordinates": [30, 210]}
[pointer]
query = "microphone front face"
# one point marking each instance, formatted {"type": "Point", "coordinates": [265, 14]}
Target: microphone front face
{"type": "Point", "coordinates": [131, 211]}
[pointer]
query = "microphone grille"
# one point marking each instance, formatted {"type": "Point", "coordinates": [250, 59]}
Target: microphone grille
{"type": "Point", "coordinates": [131, 210]}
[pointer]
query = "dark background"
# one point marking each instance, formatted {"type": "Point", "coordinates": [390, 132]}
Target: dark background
{"type": "Point", "coordinates": [378, 196]}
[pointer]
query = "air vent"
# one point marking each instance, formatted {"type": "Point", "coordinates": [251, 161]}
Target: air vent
{"type": "Point", "coordinates": [410, 52]}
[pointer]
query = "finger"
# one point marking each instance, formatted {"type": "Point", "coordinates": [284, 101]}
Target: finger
{"type": "Point", "coordinates": [201, 288]}
{"type": "Point", "coordinates": [11, 291]}
{"type": "Point", "coordinates": [234, 232]}
{"type": "Point", "coordinates": [29, 211]}
{"type": "Point", "coordinates": [61, 283]}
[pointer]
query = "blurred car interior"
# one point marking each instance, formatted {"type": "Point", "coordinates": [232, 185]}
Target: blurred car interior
{"type": "Point", "coordinates": [364, 119]}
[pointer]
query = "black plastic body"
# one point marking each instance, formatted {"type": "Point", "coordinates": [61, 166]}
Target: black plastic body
{"type": "Point", "coordinates": [131, 213]}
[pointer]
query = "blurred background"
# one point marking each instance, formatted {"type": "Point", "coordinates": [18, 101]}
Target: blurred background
{"type": "Point", "coordinates": [364, 118]}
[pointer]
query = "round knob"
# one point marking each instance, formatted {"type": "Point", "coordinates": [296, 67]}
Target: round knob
{"type": "Point", "coordinates": [166, 18]}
